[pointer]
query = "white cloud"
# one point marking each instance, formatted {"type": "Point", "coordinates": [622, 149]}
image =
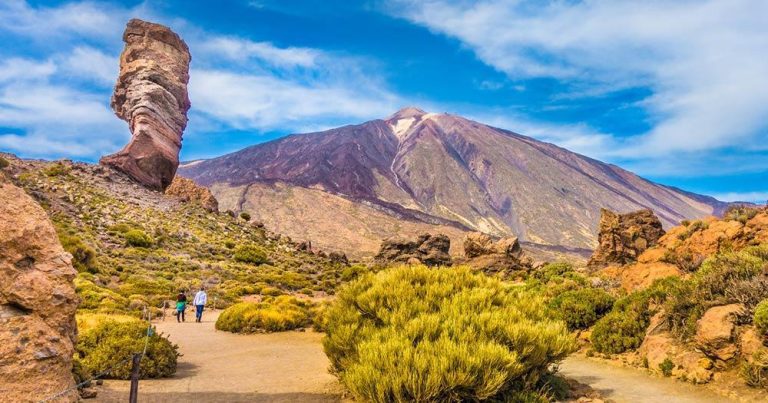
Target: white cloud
{"type": "Point", "coordinates": [91, 64]}
{"type": "Point", "coordinates": [703, 60]}
{"type": "Point", "coordinates": [264, 102]}
{"type": "Point", "coordinates": [242, 50]}
{"type": "Point", "coordinates": [95, 20]}
{"type": "Point", "coordinates": [754, 197]}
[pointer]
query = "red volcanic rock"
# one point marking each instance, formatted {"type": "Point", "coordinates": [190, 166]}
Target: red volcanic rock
{"type": "Point", "coordinates": [623, 237]}
{"type": "Point", "coordinates": [151, 95]}
{"type": "Point", "coordinates": [190, 192]}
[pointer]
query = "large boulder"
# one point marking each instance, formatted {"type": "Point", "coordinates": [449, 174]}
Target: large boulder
{"type": "Point", "coordinates": [37, 303]}
{"type": "Point", "coordinates": [504, 256]}
{"type": "Point", "coordinates": [431, 250]}
{"type": "Point", "coordinates": [623, 237]}
{"type": "Point", "coordinates": [151, 95]}
{"type": "Point", "coordinates": [190, 192]}
{"type": "Point", "coordinates": [715, 331]}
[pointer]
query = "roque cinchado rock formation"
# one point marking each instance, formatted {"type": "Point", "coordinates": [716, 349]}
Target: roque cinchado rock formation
{"type": "Point", "coordinates": [151, 95]}
{"type": "Point", "coordinates": [37, 303]}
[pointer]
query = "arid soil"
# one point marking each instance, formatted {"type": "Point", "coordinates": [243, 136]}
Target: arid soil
{"type": "Point", "coordinates": [224, 367]}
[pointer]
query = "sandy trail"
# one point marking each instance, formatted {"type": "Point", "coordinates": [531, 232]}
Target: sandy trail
{"type": "Point", "coordinates": [630, 385]}
{"type": "Point", "coordinates": [224, 367]}
{"type": "Point", "coordinates": [291, 367]}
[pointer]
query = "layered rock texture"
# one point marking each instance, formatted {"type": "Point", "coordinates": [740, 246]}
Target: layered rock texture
{"type": "Point", "coordinates": [188, 191]}
{"type": "Point", "coordinates": [151, 95]}
{"type": "Point", "coordinates": [37, 303]}
{"type": "Point", "coordinates": [623, 237]}
{"type": "Point", "coordinates": [503, 256]}
{"type": "Point", "coordinates": [416, 172]}
{"type": "Point", "coordinates": [431, 250]}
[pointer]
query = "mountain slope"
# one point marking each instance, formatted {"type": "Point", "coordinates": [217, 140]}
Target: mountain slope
{"type": "Point", "coordinates": [445, 169]}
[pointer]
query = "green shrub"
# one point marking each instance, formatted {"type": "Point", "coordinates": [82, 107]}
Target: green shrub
{"type": "Point", "coordinates": [110, 341]}
{"type": "Point", "coordinates": [580, 309]}
{"type": "Point", "coordinates": [138, 238]}
{"type": "Point", "coordinates": [697, 225]}
{"type": "Point", "coordinates": [740, 213]}
{"type": "Point", "coordinates": [445, 334]}
{"type": "Point", "coordinates": [250, 254]}
{"type": "Point", "coordinates": [666, 367]}
{"type": "Point", "coordinates": [83, 256]}
{"type": "Point", "coordinates": [760, 320]}
{"type": "Point", "coordinates": [4, 163]}
{"type": "Point", "coordinates": [245, 216]}
{"type": "Point", "coordinates": [57, 169]}
{"type": "Point", "coordinates": [755, 372]}
{"type": "Point", "coordinates": [550, 270]}
{"type": "Point", "coordinates": [271, 315]}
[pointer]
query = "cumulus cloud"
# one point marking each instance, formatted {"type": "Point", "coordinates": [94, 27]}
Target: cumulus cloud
{"type": "Point", "coordinates": [702, 60]}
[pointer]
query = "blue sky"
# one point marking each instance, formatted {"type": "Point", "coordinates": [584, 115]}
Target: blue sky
{"type": "Point", "coordinates": [676, 91]}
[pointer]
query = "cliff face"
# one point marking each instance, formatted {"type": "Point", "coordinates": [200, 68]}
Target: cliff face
{"type": "Point", "coordinates": [151, 95]}
{"type": "Point", "coordinates": [37, 303]}
{"type": "Point", "coordinates": [436, 169]}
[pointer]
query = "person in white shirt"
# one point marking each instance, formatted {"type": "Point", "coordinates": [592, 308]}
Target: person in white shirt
{"type": "Point", "coordinates": [199, 302]}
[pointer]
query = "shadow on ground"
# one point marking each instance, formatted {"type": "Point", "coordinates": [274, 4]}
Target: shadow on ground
{"type": "Point", "coordinates": [113, 396]}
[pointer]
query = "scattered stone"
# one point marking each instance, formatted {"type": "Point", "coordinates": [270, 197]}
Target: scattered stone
{"type": "Point", "coordinates": [714, 331]}
{"type": "Point", "coordinates": [750, 342]}
{"type": "Point", "coordinates": [190, 192]}
{"type": "Point", "coordinates": [151, 95]}
{"type": "Point", "coordinates": [504, 256]}
{"type": "Point", "coordinates": [338, 257]}
{"type": "Point", "coordinates": [37, 303]}
{"type": "Point", "coordinates": [431, 250]}
{"type": "Point", "coordinates": [304, 246]}
{"type": "Point", "coordinates": [623, 237]}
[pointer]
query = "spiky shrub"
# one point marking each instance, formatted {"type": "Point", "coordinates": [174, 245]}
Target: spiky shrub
{"type": "Point", "coordinates": [138, 238]}
{"type": "Point", "coordinates": [447, 334]}
{"type": "Point", "coordinates": [111, 341]}
{"type": "Point", "coordinates": [580, 309]}
{"type": "Point", "coordinates": [271, 315]}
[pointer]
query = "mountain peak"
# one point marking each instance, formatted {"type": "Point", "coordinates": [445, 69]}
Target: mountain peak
{"type": "Point", "coordinates": [407, 112]}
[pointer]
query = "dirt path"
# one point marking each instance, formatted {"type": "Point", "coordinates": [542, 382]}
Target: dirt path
{"type": "Point", "coordinates": [223, 367]}
{"type": "Point", "coordinates": [630, 385]}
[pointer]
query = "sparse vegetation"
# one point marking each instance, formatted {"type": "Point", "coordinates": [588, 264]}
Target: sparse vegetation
{"type": "Point", "coordinates": [104, 340]}
{"type": "Point", "coordinates": [693, 227]}
{"type": "Point", "coordinates": [57, 169]}
{"type": "Point", "coordinates": [4, 163]}
{"type": "Point", "coordinates": [449, 335]}
{"type": "Point", "coordinates": [740, 213]}
{"type": "Point", "coordinates": [666, 367]}
{"type": "Point", "coordinates": [271, 315]}
{"type": "Point", "coordinates": [755, 371]}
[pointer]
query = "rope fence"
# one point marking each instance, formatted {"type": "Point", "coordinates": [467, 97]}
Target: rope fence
{"type": "Point", "coordinates": [149, 332]}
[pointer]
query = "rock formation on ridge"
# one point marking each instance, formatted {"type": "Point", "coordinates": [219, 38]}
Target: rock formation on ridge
{"type": "Point", "coordinates": [151, 95]}
{"type": "Point", "coordinates": [504, 256]}
{"type": "Point", "coordinates": [37, 303]}
{"type": "Point", "coordinates": [188, 191]}
{"type": "Point", "coordinates": [623, 237]}
{"type": "Point", "coordinates": [431, 250]}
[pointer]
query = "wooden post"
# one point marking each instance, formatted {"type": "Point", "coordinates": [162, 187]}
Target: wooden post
{"type": "Point", "coordinates": [133, 398]}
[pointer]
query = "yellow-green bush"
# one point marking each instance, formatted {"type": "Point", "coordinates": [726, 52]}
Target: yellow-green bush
{"type": "Point", "coordinates": [250, 254]}
{"type": "Point", "coordinates": [107, 342]}
{"type": "Point", "coordinates": [760, 319]}
{"type": "Point", "coordinates": [138, 238]}
{"type": "Point", "coordinates": [447, 334]}
{"type": "Point", "coordinates": [83, 256]}
{"type": "Point", "coordinates": [271, 315]}
{"type": "Point", "coordinates": [580, 309]}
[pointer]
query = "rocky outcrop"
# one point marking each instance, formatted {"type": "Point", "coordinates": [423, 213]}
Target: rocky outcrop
{"type": "Point", "coordinates": [504, 256]}
{"type": "Point", "coordinates": [37, 303]}
{"type": "Point", "coordinates": [190, 192]}
{"type": "Point", "coordinates": [431, 250]}
{"type": "Point", "coordinates": [151, 95]}
{"type": "Point", "coordinates": [715, 331]}
{"type": "Point", "coordinates": [623, 237]}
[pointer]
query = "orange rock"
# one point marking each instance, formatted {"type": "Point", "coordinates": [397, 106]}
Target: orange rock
{"type": "Point", "coordinates": [714, 331]}
{"type": "Point", "coordinates": [37, 303]}
{"type": "Point", "coordinates": [188, 191]}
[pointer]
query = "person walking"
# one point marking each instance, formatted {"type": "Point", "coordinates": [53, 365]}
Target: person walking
{"type": "Point", "coordinates": [200, 299]}
{"type": "Point", "coordinates": [181, 306]}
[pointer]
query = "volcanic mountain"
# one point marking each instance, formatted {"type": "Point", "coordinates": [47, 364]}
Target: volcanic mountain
{"type": "Point", "coordinates": [347, 188]}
